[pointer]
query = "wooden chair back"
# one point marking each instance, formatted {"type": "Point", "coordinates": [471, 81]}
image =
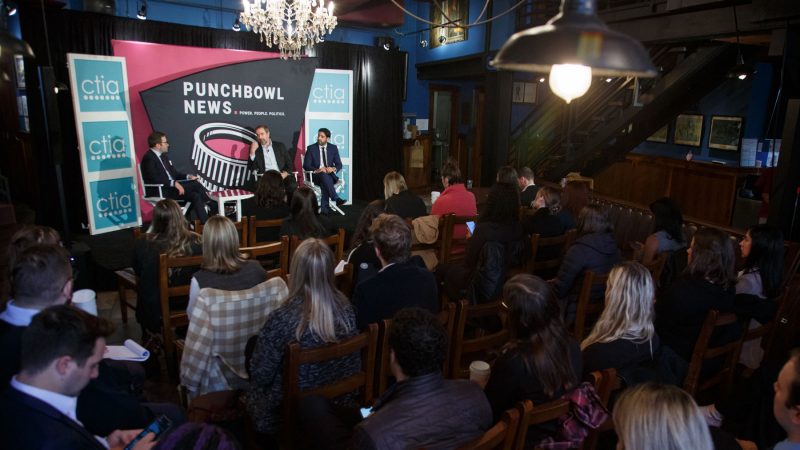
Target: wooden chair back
{"type": "Point", "coordinates": [537, 241]}
{"type": "Point", "coordinates": [280, 248]}
{"type": "Point", "coordinates": [256, 224]}
{"type": "Point", "coordinates": [791, 261]}
{"type": "Point", "coordinates": [453, 249]}
{"type": "Point", "coordinates": [171, 318]}
{"type": "Point", "coordinates": [241, 227]}
{"type": "Point", "coordinates": [483, 343]}
{"type": "Point", "coordinates": [336, 241]}
{"type": "Point", "coordinates": [501, 436]}
{"type": "Point", "coordinates": [606, 383]}
{"type": "Point", "coordinates": [344, 280]}
{"type": "Point", "coordinates": [438, 246]}
{"type": "Point", "coordinates": [587, 313]}
{"type": "Point", "coordinates": [535, 415]}
{"type": "Point", "coordinates": [365, 343]}
{"type": "Point", "coordinates": [703, 352]}
{"type": "Point", "coordinates": [447, 317]}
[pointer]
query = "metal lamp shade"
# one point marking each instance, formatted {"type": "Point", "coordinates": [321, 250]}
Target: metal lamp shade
{"type": "Point", "coordinates": [575, 36]}
{"type": "Point", "coordinates": [11, 45]}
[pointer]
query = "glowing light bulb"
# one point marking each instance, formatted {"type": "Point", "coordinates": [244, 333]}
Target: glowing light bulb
{"type": "Point", "coordinates": [570, 81]}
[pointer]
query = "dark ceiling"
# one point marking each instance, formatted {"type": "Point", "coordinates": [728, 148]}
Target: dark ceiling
{"type": "Point", "coordinates": [369, 13]}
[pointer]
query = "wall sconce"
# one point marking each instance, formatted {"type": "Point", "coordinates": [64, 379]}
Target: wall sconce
{"type": "Point", "coordinates": [574, 46]}
{"type": "Point", "coordinates": [142, 13]}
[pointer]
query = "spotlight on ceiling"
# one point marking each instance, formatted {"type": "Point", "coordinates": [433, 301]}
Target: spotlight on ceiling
{"type": "Point", "coordinates": [236, 25]}
{"type": "Point", "coordinates": [142, 13]}
{"type": "Point", "coordinates": [11, 8]}
{"type": "Point", "coordinates": [609, 80]}
{"type": "Point", "coordinates": [60, 87]}
{"type": "Point", "coordinates": [442, 39]}
{"type": "Point", "coordinates": [384, 42]}
{"type": "Point", "coordinates": [423, 43]}
{"type": "Point", "coordinates": [577, 44]}
{"type": "Point", "coordinates": [542, 79]}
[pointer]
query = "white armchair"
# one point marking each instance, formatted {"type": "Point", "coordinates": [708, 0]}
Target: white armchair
{"type": "Point", "coordinates": [184, 204]}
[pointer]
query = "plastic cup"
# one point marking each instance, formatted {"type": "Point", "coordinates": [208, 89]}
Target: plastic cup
{"type": "Point", "coordinates": [479, 372]}
{"type": "Point", "coordinates": [85, 299]}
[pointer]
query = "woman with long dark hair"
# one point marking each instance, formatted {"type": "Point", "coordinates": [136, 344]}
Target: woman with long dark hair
{"type": "Point", "coordinates": [303, 221]}
{"type": "Point", "coordinates": [541, 361]}
{"type": "Point", "coordinates": [667, 233]}
{"type": "Point", "coordinates": [269, 203]}
{"type": "Point", "coordinates": [362, 249]}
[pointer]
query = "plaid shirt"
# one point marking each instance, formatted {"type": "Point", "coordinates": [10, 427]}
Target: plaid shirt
{"type": "Point", "coordinates": [588, 413]}
{"type": "Point", "coordinates": [219, 326]}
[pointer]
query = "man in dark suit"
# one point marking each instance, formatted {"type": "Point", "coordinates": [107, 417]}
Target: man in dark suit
{"type": "Point", "coordinates": [158, 169]}
{"type": "Point", "coordinates": [266, 154]}
{"type": "Point", "coordinates": [402, 281]}
{"type": "Point", "coordinates": [527, 190]}
{"type": "Point", "coordinates": [323, 159]}
{"type": "Point", "coordinates": [61, 351]}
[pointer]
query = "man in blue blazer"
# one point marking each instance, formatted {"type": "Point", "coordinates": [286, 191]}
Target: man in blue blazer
{"type": "Point", "coordinates": [323, 159]}
{"type": "Point", "coordinates": [61, 351]}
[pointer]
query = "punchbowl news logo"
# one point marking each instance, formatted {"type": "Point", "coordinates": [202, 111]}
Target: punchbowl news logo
{"type": "Point", "coordinates": [106, 145]}
{"type": "Point", "coordinates": [113, 202]}
{"type": "Point", "coordinates": [100, 85]}
{"type": "Point", "coordinates": [330, 92]}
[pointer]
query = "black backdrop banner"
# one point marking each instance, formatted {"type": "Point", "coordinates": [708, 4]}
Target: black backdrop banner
{"type": "Point", "coordinates": [214, 113]}
{"type": "Point", "coordinates": [377, 91]}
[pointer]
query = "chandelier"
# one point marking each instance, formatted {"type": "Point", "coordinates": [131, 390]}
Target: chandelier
{"type": "Point", "coordinates": [291, 25]}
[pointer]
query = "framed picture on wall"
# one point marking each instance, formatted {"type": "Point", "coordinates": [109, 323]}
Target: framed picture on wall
{"type": "Point", "coordinates": [688, 130]}
{"type": "Point", "coordinates": [725, 133]}
{"type": "Point", "coordinates": [523, 92]}
{"type": "Point", "coordinates": [457, 11]}
{"type": "Point", "coordinates": [660, 135]}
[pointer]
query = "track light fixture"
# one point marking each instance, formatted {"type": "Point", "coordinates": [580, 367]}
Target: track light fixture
{"type": "Point", "coordinates": [11, 8]}
{"type": "Point", "coordinates": [142, 14]}
{"type": "Point", "coordinates": [423, 43]}
{"type": "Point", "coordinates": [236, 25]}
{"type": "Point", "coordinates": [442, 39]}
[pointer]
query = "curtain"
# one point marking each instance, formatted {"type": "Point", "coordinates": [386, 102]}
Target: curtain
{"type": "Point", "coordinates": [377, 96]}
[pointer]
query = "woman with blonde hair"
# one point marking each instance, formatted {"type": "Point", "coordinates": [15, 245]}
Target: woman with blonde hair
{"type": "Point", "coordinates": [399, 200]}
{"type": "Point", "coordinates": [624, 335]}
{"type": "Point", "coordinates": [314, 313]}
{"type": "Point", "coordinates": [223, 266]}
{"type": "Point", "coordinates": [168, 233]}
{"type": "Point", "coordinates": [659, 417]}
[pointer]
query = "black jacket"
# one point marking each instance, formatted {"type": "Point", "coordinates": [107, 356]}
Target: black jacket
{"type": "Point", "coordinates": [153, 173]}
{"type": "Point", "coordinates": [398, 286]}
{"type": "Point", "coordinates": [527, 196]}
{"type": "Point", "coordinates": [426, 411]}
{"type": "Point", "coordinates": [597, 252]}
{"type": "Point", "coordinates": [406, 205]}
{"type": "Point", "coordinates": [285, 162]}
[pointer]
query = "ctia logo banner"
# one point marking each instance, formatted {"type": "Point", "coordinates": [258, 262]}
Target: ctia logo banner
{"type": "Point", "coordinates": [330, 92]}
{"type": "Point", "coordinates": [106, 145]}
{"type": "Point", "coordinates": [101, 86]}
{"type": "Point", "coordinates": [114, 202]}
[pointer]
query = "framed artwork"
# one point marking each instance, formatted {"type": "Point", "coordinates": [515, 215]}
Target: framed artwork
{"type": "Point", "coordinates": [660, 135]}
{"type": "Point", "coordinates": [451, 12]}
{"type": "Point", "coordinates": [725, 133]}
{"type": "Point", "coordinates": [523, 92]}
{"type": "Point", "coordinates": [688, 129]}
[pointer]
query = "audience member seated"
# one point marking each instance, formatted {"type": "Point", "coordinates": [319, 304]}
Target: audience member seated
{"type": "Point", "coordinates": [667, 234]}
{"type": "Point", "coordinates": [362, 247]}
{"type": "Point", "coordinates": [707, 283]}
{"type": "Point", "coordinates": [197, 436]}
{"type": "Point", "coordinates": [168, 234]}
{"type": "Point", "coordinates": [24, 237]}
{"type": "Point", "coordinates": [508, 175]}
{"type": "Point", "coordinates": [223, 266]}
{"type": "Point", "coordinates": [498, 244]}
{"type": "Point", "coordinates": [541, 362]}
{"type": "Point", "coordinates": [594, 250]}
{"type": "Point", "coordinates": [624, 336]}
{"type": "Point", "coordinates": [786, 404]}
{"type": "Point", "coordinates": [546, 223]}
{"type": "Point", "coordinates": [303, 221]}
{"type": "Point", "coordinates": [269, 203]}
{"type": "Point", "coordinates": [61, 351]}
{"type": "Point", "coordinates": [314, 314]}
{"type": "Point", "coordinates": [402, 281]}
{"type": "Point", "coordinates": [42, 278]}
{"type": "Point", "coordinates": [758, 284]}
{"type": "Point", "coordinates": [399, 200]}
{"type": "Point", "coordinates": [455, 198]}
{"type": "Point", "coordinates": [574, 197]}
{"type": "Point", "coordinates": [659, 417]}
{"type": "Point", "coordinates": [527, 190]}
{"type": "Point", "coordinates": [422, 410]}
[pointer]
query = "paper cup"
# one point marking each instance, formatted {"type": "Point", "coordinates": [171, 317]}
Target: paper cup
{"type": "Point", "coordinates": [434, 196]}
{"type": "Point", "coordinates": [85, 299]}
{"type": "Point", "coordinates": [479, 372]}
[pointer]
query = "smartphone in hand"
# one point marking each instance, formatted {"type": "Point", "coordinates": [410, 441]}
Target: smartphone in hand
{"type": "Point", "coordinates": [157, 427]}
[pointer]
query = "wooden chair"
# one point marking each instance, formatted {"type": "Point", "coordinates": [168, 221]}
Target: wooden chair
{"type": "Point", "coordinates": [171, 318]}
{"type": "Point", "coordinates": [501, 436]}
{"type": "Point", "coordinates": [606, 383]}
{"type": "Point", "coordinates": [587, 313]}
{"type": "Point", "coordinates": [548, 265]}
{"type": "Point", "coordinates": [702, 352]}
{"type": "Point", "coordinates": [255, 224]}
{"type": "Point", "coordinates": [534, 415]}
{"type": "Point", "coordinates": [335, 240]}
{"type": "Point", "coordinates": [450, 242]}
{"type": "Point", "coordinates": [366, 343]}
{"type": "Point", "coordinates": [447, 317]}
{"type": "Point", "coordinates": [344, 280]}
{"type": "Point", "coordinates": [444, 228]}
{"type": "Point", "coordinates": [127, 279]}
{"type": "Point", "coordinates": [241, 227]}
{"type": "Point", "coordinates": [280, 248]}
{"type": "Point", "coordinates": [481, 345]}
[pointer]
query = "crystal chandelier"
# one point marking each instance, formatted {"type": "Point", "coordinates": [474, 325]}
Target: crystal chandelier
{"type": "Point", "coordinates": [291, 25]}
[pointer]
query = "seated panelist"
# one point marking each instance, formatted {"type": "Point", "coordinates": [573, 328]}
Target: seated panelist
{"type": "Point", "coordinates": [323, 160]}
{"type": "Point", "coordinates": [266, 154]}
